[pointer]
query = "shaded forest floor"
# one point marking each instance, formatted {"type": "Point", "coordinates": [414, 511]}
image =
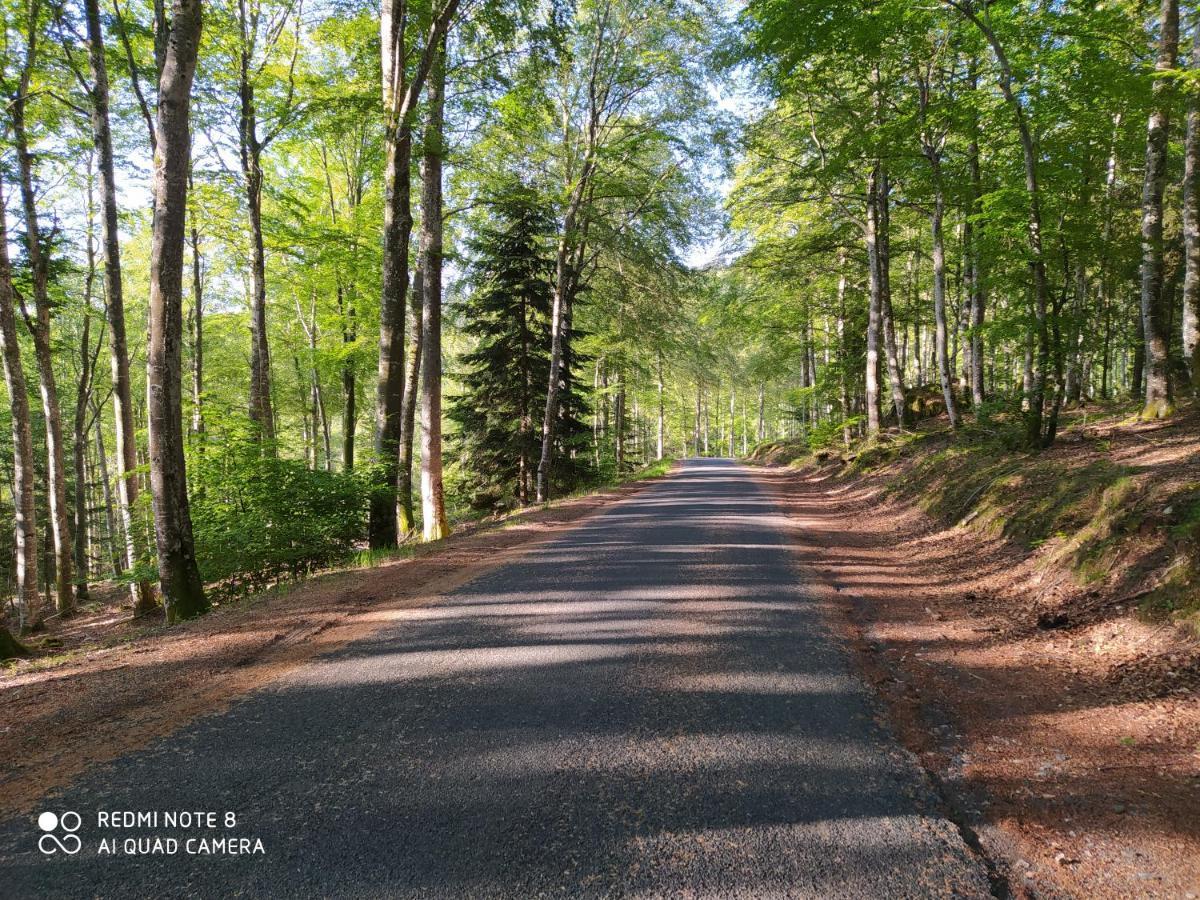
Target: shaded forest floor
{"type": "Point", "coordinates": [102, 685]}
{"type": "Point", "coordinates": [1031, 624]}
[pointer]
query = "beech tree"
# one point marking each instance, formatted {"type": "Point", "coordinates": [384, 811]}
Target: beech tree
{"type": "Point", "coordinates": [179, 577]}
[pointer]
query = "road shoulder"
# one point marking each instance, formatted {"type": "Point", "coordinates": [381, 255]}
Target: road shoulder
{"type": "Point", "coordinates": [1027, 752]}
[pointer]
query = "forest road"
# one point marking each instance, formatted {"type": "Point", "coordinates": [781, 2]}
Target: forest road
{"type": "Point", "coordinates": [647, 706]}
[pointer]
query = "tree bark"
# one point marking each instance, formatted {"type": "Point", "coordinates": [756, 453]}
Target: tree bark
{"type": "Point", "coordinates": [564, 291]}
{"type": "Point", "coordinates": [179, 576]}
{"type": "Point", "coordinates": [874, 313]}
{"type": "Point", "coordinates": [1154, 315]}
{"type": "Point", "coordinates": [977, 288]}
{"type": "Point", "coordinates": [1190, 320]}
{"type": "Point", "coordinates": [116, 541]}
{"type": "Point", "coordinates": [843, 378]}
{"type": "Point", "coordinates": [197, 323]}
{"type": "Point", "coordinates": [660, 449]}
{"type": "Point", "coordinates": [1105, 277]}
{"type": "Point", "coordinates": [883, 259]}
{"type": "Point", "coordinates": [349, 391]}
{"type": "Point", "coordinates": [144, 600]}
{"type": "Point", "coordinates": [412, 379]}
{"type": "Point", "coordinates": [939, 294]}
{"type": "Point", "coordinates": [80, 425]}
{"type": "Point", "coordinates": [24, 478]}
{"type": "Point", "coordinates": [251, 148]}
{"type": "Point", "coordinates": [434, 524]}
{"type": "Point", "coordinates": [400, 96]}
{"type": "Point", "coordinates": [732, 417]}
{"type": "Point", "coordinates": [619, 424]}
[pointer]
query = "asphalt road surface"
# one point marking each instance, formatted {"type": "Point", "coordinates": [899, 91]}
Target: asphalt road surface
{"type": "Point", "coordinates": [647, 707]}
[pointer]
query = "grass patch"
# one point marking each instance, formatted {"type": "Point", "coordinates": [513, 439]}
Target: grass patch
{"type": "Point", "coordinates": [653, 470]}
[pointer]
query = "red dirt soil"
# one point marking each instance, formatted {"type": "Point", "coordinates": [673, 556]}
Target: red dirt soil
{"type": "Point", "coordinates": [1072, 754]}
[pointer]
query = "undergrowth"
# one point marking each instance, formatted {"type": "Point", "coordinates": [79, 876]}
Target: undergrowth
{"type": "Point", "coordinates": [1129, 528]}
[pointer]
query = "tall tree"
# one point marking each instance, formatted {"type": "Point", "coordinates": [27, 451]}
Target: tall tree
{"type": "Point", "coordinates": [434, 524]}
{"type": "Point", "coordinates": [179, 576]}
{"type": "Point", "coordinates": [507, 315]}
{"type": "Point", "coordinates": [402, 87]}
{"type": "Point", "coordinates": [40, 322]}
{"type": "Point", "coordinates": [979, 17]}
{"type": "Point", "coordinates": [1190, 320]}
{"type": "Point", "coordinates": [260, 33]}
{"type": "Point", "coordinates": [24, 478]}
{"type": "Point", "coordinates": [144, 600]}
{"type": "Point", "coordinates": [1154, 303]}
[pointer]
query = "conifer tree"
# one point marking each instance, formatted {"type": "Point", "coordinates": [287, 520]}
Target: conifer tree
{"type": "Point", "coordinates": [508, 314]}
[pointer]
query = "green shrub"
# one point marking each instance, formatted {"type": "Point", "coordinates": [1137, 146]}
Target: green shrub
{"type": "Point", "coordinates": [257, 517]}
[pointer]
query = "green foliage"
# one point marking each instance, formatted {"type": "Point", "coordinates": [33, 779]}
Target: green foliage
{"type": "Point", "coordinates": [507, 314]}
{"type": "Point", "coordinates": [257, 517]}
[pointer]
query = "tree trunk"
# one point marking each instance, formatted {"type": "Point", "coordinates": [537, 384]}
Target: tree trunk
{"type": "Point", "coordinates": [564, 291]}
{"type": "Point", "coordinates": [144, 600]}
{"type": "Point", "coordinates": [197, 323]}
{"type": "Point", "coordinates": [115, 540]}
{"type": "Point", "coordinates": [349, 385]}
{"type": "Point", "coordinates": [732, 416]}
{"type": "Point", "coordinates": [939, 291]}
{"type": "Point", "coordinates": [179, 577]}
{"type": "Point", "coordinates": [843, 375]}
{"type": "Point", "coordinates": [1154, 315]}
{"type": "Point", "coordinates": [874, 314]}
{"type": "Point", "coordinates": [400, 96]}
{"type": "Point", "coordinates": [762, 392]}
{"type": "Point", "coordinates": [251, 148]}
{"type": "Point", "coordinates": [39, 327]}
{"type": "Point", "coordinates": [1190, 320]}
{"type": "Point", "coordinates": [662, 415]}
{"type": "Point", "coordinates": [24, 478]}
{"type": "Point", "coordinates": [406, 519]}
{"type": "Point", "coordinates": [389, 396]}
{"type": "Point", "coordinates": [434, 525]}
{"type": "Point", "coordinates": [619, 425]}
{"type": "Point", "coordinates": [883, 259]}
{"type": "Point", "coordinates": [1105, 279]}
{"type": "Point", "coordinates": [1037, 263]}
{"type": "Point", "coordinates": [79, 430]}
{"type": "Point", "coordinates": [977, 290]}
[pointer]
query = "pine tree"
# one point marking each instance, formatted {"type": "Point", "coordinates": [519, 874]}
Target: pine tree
{"type": "Point", "coordinates": [507, 314]}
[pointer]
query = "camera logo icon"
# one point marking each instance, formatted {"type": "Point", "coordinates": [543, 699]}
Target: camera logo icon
{"type": "Point", "coordinates": [51, 842]}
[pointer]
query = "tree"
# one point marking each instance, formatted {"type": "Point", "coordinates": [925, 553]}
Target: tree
{"type": "Point", "coordinates": [24, 478]}
{"type": "Point", "coordinates": [401, 90]}
{"type": "Point", "coordinates": [507, 314]}
{"type": "Point", "coordinates": [434, 524]}
{"type": "Point", "coordinates": [37, 249]}
{"type": "Point", "coordinates": [179, 577]}
{"type": "Point", "coordinates": [262, 34]}
{"type": "Point", "coordinates": [144, 600]}
{"type": "Point", "coordinates": [1154, 314]}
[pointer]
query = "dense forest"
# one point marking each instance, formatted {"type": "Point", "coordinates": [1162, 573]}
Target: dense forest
{"type": "Point", "coordinates": [286, 282]}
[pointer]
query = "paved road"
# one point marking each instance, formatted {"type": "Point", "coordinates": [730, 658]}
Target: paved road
{"type": "Point", "coordinates": [647, 707]}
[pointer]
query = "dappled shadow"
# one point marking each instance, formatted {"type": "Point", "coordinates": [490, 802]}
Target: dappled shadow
{"type": "Point", "coordinates": [648, 705]}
